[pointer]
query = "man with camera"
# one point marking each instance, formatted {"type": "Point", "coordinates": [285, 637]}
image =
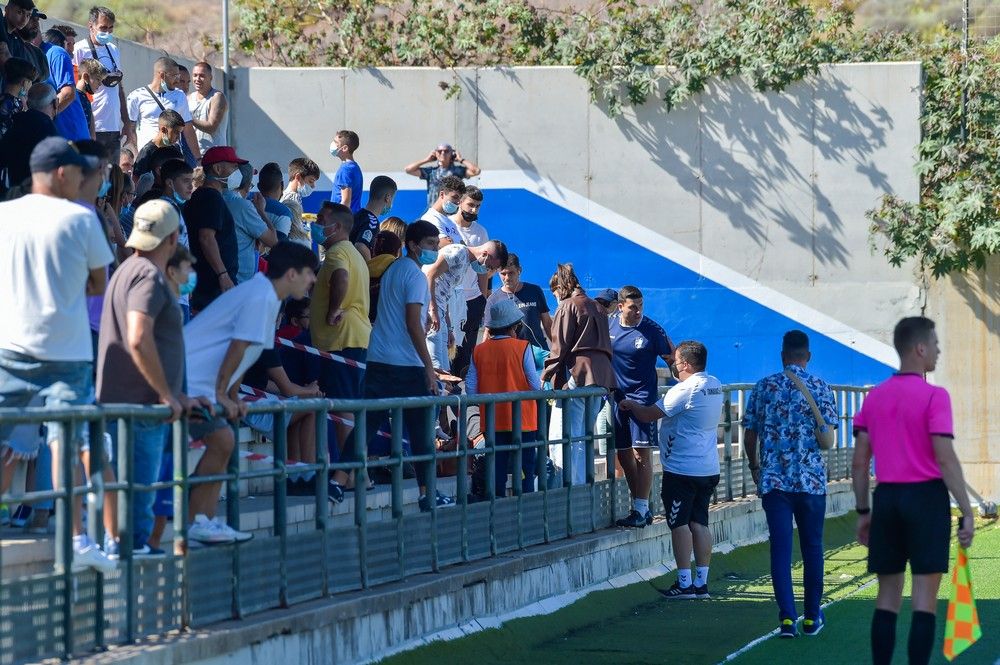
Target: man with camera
{"type": "Point", "coordinates": [108, 103]}
{"type": "Point", "coordinates": [448, 162]}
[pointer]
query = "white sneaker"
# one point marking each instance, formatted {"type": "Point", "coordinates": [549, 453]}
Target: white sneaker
{"type": "Point", "coordinates": [238, 536]}
{"type": "Point", "coordinates": [91, 556]}
{"type": "Point", "coordinates": [207, 531]}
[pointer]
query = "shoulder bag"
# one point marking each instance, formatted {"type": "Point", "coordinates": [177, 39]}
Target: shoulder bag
{"type": "Point", "coordinates": [826, 437]}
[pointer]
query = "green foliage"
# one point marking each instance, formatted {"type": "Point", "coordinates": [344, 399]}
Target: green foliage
{"type": "Point", "coordinates": [629, 50]}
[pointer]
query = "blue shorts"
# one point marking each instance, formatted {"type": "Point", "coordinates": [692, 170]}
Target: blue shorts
{"type": "Point", "coordinates": [630, 433]}
{"type": "Point", "coordinates": [340, 381]}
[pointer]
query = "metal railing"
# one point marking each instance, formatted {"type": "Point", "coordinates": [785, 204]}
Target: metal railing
{"type": "Point", "coordinates": [61, 613]}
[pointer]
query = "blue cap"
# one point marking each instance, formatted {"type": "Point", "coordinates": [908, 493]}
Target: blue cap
{"type": "Point", "coordinates": [607, 295]}
{"type": "Point", "coordinates": [53, 152]}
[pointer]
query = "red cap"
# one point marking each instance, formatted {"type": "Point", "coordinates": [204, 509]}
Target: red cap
{"type": "Point", "coordinates": [221, 153]}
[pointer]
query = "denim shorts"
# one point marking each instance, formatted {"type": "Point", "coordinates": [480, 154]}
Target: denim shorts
{"type": "Point", "coordinates": [25, 381]}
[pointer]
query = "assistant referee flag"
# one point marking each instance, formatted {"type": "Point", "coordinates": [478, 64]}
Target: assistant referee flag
{"type": "Point", "coordinates": [962, 628]}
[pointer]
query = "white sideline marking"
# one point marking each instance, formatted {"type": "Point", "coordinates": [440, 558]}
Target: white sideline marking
{"type": "Point", "coordinates": [673, 251]}
{"type": "Point", "coordinates": [763, 638]}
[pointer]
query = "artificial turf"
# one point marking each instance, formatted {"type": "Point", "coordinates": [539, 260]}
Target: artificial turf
{"type": "Point", "coordinates": [636, 624]}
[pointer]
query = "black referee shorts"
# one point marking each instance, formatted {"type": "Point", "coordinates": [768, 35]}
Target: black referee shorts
{"type": "Point", "coordinates": [686, 498]}
{"type": "Point", "coordinates": [910, 522]}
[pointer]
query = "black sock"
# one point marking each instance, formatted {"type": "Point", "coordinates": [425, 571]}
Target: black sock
{"type": "Point", "coordinates": [921, 638]}
{"type": "Point", "coordinates": [883, 636]}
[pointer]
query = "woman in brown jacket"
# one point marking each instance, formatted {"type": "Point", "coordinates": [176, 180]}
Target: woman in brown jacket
{"type": "Point", "coordinates": [579, 356]}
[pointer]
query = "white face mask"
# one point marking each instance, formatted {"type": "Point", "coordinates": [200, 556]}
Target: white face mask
{"type": "Point", "coordinates": [305, 190]}
{"type": "Point", "coordinates": [234, 180]}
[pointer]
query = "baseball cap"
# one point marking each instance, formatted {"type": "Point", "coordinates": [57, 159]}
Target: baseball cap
{"type": "Point", "coordinates": [23, 4]}
{"type": "Point", "coordinates": [53, 152]}
{"type": "Point", "coordinates": [37, 14]}
{"type": "Point", "coordinates": [221, 153]}
{"type": "Point", "coordinates": [607, 295]}
{"type": "Point", "coordinates": [151, 223]}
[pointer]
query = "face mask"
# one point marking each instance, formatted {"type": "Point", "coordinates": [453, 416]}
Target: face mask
{"type": "Point", "coordinates": [164, 141]}
{"type": "Point", "coordinates": [105, 188]}
{"type": "Point", "coordinates": [164, 87]}
{"type": "Point", "coordinates": [428, 257]}
{"type": "Point", "coordinates": [318, 233]}
{"type": "Point", "coordinates": [470, 216]}
{"type": "Point", "coordinates": [305, 190]}
{"type": "Point", "coordinates": [450, 208]}
{"type": "Point", "coordinates": [187, 288]}
{"type": "Point", "coordinates": [87, 89]}
{"type": "Point", "coordinates": [179, 200]}
{"type": "Point", "coordinates": [104, 38]}
{"type": "Point", "coordinates": [334, 149]}
{"type": "Point", "coordinates": [23, 93]}
{"type": "Point", "coordinates": [385, 210]}
{"type": "Point", "coordinates": [479, 268]}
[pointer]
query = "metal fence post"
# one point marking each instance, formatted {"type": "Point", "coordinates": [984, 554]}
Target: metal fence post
{"type": "Point", "coordinates": [95, 521]}
{"type": "Point", "coordinates": [516, 475]}
{"type": "Point", "coordinates": [360, 509]}
{"type": "Point", "coordinates": [491, 460]}
{"type": "Point", "coordinates": [542, 458]}
{"type": "Point", "coordinates": [432, 484]}
{"type": "Point", "coordinates": [64, 530]}
{"type": "Point", "coordinates": [396, 454]}
{"type": "Point", "coordinates": [462, 475]}
{"type": "Point", "coordinates": [727, 440]}
{"type": "Point", "coordinates": [233, 514]}
{"type": "Point", "coordinates": [180, 448]}
{"type": "Point", "coordinates": [588, 447]}
{"type": "Point", "coordinates": [320, 480]}
{"type": "Point", "coordinates": [280, 436]}
{"type": "Point", "coordinates": [567, 455]}
{"type": "Point", "coordinates": [126, 465]}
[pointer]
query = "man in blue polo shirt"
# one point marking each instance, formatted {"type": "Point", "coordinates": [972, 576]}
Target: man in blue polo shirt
{"type": "Point", "coordinates": [636, 343]}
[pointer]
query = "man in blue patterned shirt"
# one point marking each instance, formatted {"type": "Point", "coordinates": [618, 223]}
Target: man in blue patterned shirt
{"type": "Point", "coordinates": [791, 476]}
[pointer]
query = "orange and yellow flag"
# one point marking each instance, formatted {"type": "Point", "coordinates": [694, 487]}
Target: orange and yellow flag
{"type": "Point", "coordinates": [962, 627]}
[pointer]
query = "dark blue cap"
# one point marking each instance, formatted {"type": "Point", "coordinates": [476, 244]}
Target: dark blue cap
{"type": "Point", "coordinates": [607, 295]}
{"type": "Point", "coordinates": [53, 152]}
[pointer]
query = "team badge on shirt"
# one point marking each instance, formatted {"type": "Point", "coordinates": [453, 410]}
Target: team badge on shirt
{"type": "Point", "coordinates": [639, 341]}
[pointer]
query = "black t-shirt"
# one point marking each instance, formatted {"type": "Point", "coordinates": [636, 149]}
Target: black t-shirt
{"type": "Point", "coordinates": [142, 160]}
{"type": "Point", "coordinates": [365, 228]}
{"type": "Point", "coordinates": [256, 376]}
{"type": "Point", "coordinates": [27, 129]}
{"type": "Point", "coordinates": [531, 301]}
{"type": "Point", "coordinates": [207, 210]}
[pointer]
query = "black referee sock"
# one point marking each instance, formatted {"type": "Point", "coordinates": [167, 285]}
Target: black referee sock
{"type": "Point", "coordinates": [883, 636]}
{"type": "Point", "coordinates": [921, 638]}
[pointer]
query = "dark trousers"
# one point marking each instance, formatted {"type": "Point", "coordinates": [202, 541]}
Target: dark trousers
{"type": "Point", "coordinates": [475, 309]}
{"type": "Point", "coordinates": [808, 511]}
{"type": "Point", "coordinates": [504, 463]}
{"type": "Point", "coordinates": [392, 381]}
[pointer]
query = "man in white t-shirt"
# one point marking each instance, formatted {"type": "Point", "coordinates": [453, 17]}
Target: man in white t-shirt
{"type": "Point", "coordinates": [108, 104]}
{"type": "Point", "coordinates": [444, 279]}
{"type": "Point", "coordinates": [53, 253]}
{"type": "Point", "coordinates": [689, 454]}
{"type": "Point", "coordinates": [145, 105]}
{"type": "Point", "coordinates": [449, 196]}
{"type": "Point", "coordinates": [221, 344]}
{"type": "Point", "coordinates": [475, 286]}
{"type": "Point", "coordinates": [398, 363]}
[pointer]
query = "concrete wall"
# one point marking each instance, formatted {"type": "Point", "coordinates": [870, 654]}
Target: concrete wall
{"type": "Point", "coordinates": [773, 186]}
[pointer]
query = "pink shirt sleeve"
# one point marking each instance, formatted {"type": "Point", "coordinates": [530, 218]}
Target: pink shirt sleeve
{"type": "Point", "coordinates": [939, 413]}
{"type": "Point", "coordinates": [860, 420]}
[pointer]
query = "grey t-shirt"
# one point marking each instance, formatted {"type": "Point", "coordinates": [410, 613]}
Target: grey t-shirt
{"type": "Point", "coordinates": [138, 286]}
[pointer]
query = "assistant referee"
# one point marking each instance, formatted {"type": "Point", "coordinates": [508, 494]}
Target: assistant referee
{"type": "Point", "coordinates": [906, 424]}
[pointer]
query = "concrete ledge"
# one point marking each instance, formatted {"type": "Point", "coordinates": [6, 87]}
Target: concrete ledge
{"type": "Point", "coordinates": [367, 625]}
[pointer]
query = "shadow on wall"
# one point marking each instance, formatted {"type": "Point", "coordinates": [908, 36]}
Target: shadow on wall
{"type": "Point", "coordinates": [750, 144]}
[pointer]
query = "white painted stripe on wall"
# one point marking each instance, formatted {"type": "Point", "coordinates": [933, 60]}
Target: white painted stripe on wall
{"type": "Point", "coordinates": [673, 251]}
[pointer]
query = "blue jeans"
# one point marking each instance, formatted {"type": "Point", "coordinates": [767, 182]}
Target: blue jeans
{"type": "Point", "coordinates": [148, 440]}
{"type": "Point", "coordinates": [52, 384]}
{"type": "Point", "coordinates": [504, 462]}
{"type": "Point", "coordinates": [809, 511]}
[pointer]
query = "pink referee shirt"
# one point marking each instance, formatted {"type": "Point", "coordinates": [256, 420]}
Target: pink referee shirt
{"type": "Point", "coordinates": [900, 416]}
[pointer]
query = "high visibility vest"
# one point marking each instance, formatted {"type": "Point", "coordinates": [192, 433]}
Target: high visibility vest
{"type": "Point", "coordinates": [500, 369]}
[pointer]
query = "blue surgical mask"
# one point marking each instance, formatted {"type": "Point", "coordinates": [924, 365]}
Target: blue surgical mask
{"type": "Point", "coordinates": [479, 268]}
{"type": "Point", "coordinates": [385, 210]}
{"type": "Point", "coordinates": [318, 233]}
{"type": "Point", "coordinates": [105, 188]}
{"type": "Point", "coordinates": [428, 257]}
{"type": "Point", "coordinates": [104, 38]}
{"type": "Point", "coordinates": [187, 288]}
{"type": "Point", "coordinates": [177, 198]}
{"type": "Point", "coordinates": [164, 87]}
{"type": "Point", "coordinates": [450, 207]}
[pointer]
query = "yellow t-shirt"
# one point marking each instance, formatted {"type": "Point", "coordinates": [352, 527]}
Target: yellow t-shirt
{"type": "Point", "coordinates": [354, 328]}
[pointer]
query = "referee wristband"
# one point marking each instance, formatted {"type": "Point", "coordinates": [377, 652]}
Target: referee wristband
{"type": "Point", "coordinates": [862, 511]}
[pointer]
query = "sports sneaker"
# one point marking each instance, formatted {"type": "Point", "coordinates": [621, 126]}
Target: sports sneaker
{"type": "Point", "coordinates": [787, 628]}
{"type": "Point", "coordinates": [19, 518]}
{"type": "Point", "coordinates": [147, 552]}
{"type": "Point", "coordinates": [39, 522]}
{"type": "Point", "coordinates": [111, 548]}
{"type": "Point", "coordinates": [635, 520]}
{"type": "Point", "coordinates": [91, 556]}
{"type": "Point", "coordinates": [441, 501]}
{"type": "Point", "coordinates": [678, 592]}
{"type": "Point", "coordinates": [701, 592]}
{"type": "Point", "coordinates": [335, 492]}
{"type": "Point", "coordinates": [204, 530]}
{"type": "Point", "coordinates": [649, 517]}
{"type": "Point", "coordinates": [812, 627]}
{"type": "Point", "coordinates": [238, 536]}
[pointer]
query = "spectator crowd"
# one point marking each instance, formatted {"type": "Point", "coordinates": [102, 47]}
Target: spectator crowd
{"type": "Point", "coordinates": [146, 262]}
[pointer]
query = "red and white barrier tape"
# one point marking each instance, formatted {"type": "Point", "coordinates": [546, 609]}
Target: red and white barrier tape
{"type": "Point", "coordinates": [316, 352]}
